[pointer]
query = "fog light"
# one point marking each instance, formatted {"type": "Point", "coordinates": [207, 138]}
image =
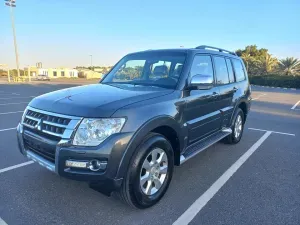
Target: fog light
{"type": "Point", "coordinates": [95, 165]}
{"type": "Point", "coordinates": [76, 164]}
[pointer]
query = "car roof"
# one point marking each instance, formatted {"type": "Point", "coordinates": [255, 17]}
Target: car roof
{"type": "Point", "coordinates": [200, 49]}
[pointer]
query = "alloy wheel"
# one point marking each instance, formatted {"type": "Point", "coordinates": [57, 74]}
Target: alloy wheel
{"type": "Point", "coordinates": [238, 127]}
{"type": "Point", "coordinates": [154, 171]}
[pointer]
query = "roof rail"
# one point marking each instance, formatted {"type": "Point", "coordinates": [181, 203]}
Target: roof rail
{"type": "Point", "coordinates": [215, 48]}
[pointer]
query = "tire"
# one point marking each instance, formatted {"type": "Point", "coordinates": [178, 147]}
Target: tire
{"type": "Point", "coordinates": [132, 192]}
{"type": "Point", "coordinates": [233, 138]}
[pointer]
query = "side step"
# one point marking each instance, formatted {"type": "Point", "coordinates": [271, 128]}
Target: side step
{"type": "Point", "coordinates": [204, 144]}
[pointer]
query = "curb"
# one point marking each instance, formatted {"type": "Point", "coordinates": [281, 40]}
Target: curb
{"type": "Point", "coordinates": [293, 89]}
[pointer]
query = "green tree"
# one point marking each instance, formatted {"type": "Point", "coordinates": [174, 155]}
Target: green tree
{"type": "Point", "coordinates": [289, 65]}
{"type": "Point", "coordinates": [268, 63]}
{"type": "Point", "coordinates": [257, 61]}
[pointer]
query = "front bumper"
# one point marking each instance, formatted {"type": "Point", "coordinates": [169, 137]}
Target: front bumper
{"type": "Point", "coordinates": [110, 152]}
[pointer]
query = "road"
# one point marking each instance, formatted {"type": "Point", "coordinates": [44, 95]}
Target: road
{"type": "Point", "coordinates": [254, 182]}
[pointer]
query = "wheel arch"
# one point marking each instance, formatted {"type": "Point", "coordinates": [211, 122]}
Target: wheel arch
{"type": "Point", "coordinates": [162, 125]}
{"type": "Point", "coordinates": [243, 104]}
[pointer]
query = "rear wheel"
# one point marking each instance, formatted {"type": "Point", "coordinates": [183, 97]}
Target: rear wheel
{"type": "Point", "coordinates": [149, 173]}
{"type": "Point", "coordinates": [237, 128]}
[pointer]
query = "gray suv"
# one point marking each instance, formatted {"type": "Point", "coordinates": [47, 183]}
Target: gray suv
{"type": "Point", "coordinates": [154, 110]}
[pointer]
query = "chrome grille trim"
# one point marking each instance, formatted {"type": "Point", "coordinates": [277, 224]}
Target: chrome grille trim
{"type": "Point", "coordinates": [54, 124]}
{"type": "Point", "coordinates": [32, 118]}
{"type": "Point", "coordinates": [50, 123]}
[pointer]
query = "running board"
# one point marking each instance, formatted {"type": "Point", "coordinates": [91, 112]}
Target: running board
{"type": "Point", "coordinates": [204, 144]}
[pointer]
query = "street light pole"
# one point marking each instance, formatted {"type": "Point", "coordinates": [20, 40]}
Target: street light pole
{"type": "Point", "coordinates": [91, 61]}
{"type": "Point", "coordinates": [11, 4]}
{"type": "Point", "coordinates": [29, 77]}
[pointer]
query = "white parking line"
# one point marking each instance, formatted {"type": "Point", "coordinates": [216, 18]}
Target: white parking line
{"type": "Point", "coordinates": [9, 94]}
{"type": "Point", "coordinates": [276, 132]}
{"type": "Point", "coordinates": [15, 166]}
{"type": "Point", "coordinates": [2, 222]}
{"type": "Point", "coordinates": [16, 98]}
{"type": "Point", "coordinates": [196, 207]}
{"type": "Point", "coordinates": [11, 112]}
{"type": "Point", "coordinates": [295, 105]}
{"type": "Point", "coordinates": [258, 97]}
{"type": "Point", "coordinates": [7, 129]}
{"type": "Point", "coordinates": [13, 103]}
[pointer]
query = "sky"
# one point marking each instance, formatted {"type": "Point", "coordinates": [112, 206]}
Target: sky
{"type": "Point", "coordinates": [64, 33]}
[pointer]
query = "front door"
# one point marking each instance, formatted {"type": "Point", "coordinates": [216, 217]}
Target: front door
{"type": "Point", "coordinates": [202, 114]}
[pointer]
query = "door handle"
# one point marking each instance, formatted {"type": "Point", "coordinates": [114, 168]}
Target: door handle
{"type": "Point", "coordinates": [215, 94]}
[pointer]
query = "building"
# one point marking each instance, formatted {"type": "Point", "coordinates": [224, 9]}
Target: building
{"type": "Point", "coordinates": [89, 74]}
{"type": "Point", "coordinates": [58, 72]}
{"type": "Point", "coordinates": [39, 65]}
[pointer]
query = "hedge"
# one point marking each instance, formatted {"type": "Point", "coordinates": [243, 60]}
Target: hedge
{"type": "Point", "coordinates": [276, 81]}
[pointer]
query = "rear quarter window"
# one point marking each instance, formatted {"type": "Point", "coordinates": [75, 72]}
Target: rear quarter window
{"type": "Point", "coordinates": [239, 70]}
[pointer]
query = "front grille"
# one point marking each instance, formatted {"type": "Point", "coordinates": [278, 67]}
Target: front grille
{"type": "Point", "coordinates": [47, 153]}
{"type": "Point", "coordinates": [44, 130]}
{"type": "Point", "coordinates": [54, 125]}
{"type": "Point", "coordinates": [49, 123]}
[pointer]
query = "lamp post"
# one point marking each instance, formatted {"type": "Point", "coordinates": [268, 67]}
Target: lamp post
{"type": "Point", "coordinates": [91, 61]}
{"type": "Point", "coordinates": [29, 77]}
{"type": "Point", "coordinates": [11, 4]}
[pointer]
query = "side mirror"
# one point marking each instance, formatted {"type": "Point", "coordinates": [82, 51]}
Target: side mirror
{"type": "Point", "coordinates": [201, 82]}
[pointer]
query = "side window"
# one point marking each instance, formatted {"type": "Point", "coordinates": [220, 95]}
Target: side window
{"type": "Point", "coordinates": [202, 65]}
{"type": "Point", "coordinates": [221, 70]}
{"type": "Point", "coordinates": [239, 70]}
{"type": "Point", "coordinates": [230, 70]}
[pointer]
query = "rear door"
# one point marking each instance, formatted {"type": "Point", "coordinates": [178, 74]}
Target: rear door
{"type": "Point", "coordinates": [202, 114]}
{"type": "Point", "coordinates": [226, 83]}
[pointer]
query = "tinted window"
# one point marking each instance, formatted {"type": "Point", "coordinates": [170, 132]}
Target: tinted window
{"type": "Point", "coordinates": [230, 70]}
{"type": "Point", "coordinates": [221, 70]}
{"type": "Point", "coordinates": [160, 69]}
{"type": "Point", "coordinates": [202, 65]}
{"type": "Point", "coordinates": [239, 70]}
{"type": "Point", "coordinates": [149, 68]}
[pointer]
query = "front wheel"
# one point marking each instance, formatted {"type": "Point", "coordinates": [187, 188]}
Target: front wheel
{"type": "Point", "coordinates": [149, 173]}
{"type": "Point", "coordinates": [237, 128]}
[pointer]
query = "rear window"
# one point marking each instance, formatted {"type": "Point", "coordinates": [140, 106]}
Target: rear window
{"type": "Point", "coordinates": [239, 70]}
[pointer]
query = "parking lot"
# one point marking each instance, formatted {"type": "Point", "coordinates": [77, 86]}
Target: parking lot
{"type": "Point", "coordinates": [254, 182]}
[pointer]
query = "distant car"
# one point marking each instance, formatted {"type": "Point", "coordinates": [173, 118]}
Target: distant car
{"type": "Point", "coordinates": [43, 77]}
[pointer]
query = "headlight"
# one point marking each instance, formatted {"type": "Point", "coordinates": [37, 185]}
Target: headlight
{"type": "Point", "coordinates": [91, 132]}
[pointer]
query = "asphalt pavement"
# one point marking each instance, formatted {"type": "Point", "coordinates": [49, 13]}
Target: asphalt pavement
{"type": "Point", "coordinates": [254, 182]}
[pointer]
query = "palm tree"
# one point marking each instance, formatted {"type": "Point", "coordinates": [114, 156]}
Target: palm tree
{"type": "Point", "coordinates": [247, 58]}
{"type": "Point", "coordinates": [268, 63]}
{"type": "Point", "coordinates": [289, 65]}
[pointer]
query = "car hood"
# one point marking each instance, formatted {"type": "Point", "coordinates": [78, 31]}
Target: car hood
{"type": "Point", "coordinates": [96, 100]}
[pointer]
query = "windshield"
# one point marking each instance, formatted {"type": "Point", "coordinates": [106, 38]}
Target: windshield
{"type": "Point", "coordinates": [161, 69]}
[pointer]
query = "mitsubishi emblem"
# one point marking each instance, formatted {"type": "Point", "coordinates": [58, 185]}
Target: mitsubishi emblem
{"type": "Point", "coordinates": [38, 126]}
